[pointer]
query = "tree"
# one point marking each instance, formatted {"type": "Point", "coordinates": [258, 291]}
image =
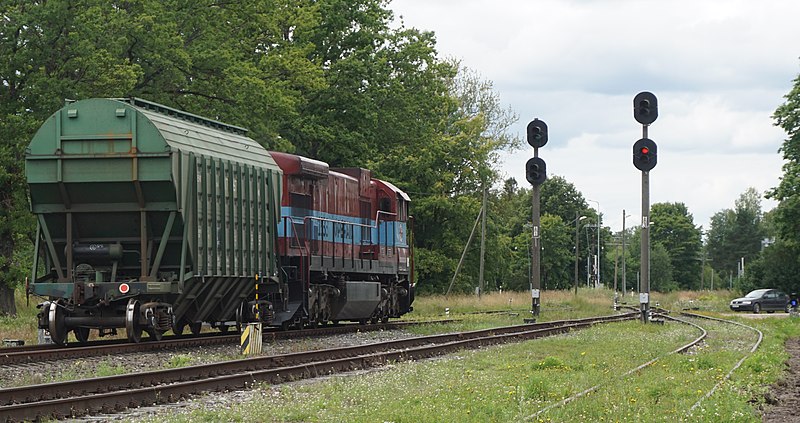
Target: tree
{"type": "Point", "coordinates": [673, 227]}
{"type": "Point", "coordinates": [778, 264]}
{"type": "Point", "coordinates": [43, 64]}
{"type": "Point", "coordinates": [445, 168]}
{"type": "Point", "coordinates": [787, 193]}
{"type": "Point", "coordinates": [332, 79]}
{"type": "Point", "coordinates": [736, 233]}
{"type": "Point", "coordinates": [661, 269]}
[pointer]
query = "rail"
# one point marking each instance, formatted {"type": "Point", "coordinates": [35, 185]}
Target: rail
{"type": "Point", "coordinates": [78, 397]}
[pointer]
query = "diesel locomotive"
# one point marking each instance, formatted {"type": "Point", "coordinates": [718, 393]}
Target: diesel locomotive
{"type": "Point", "coordinates": [151, 219]}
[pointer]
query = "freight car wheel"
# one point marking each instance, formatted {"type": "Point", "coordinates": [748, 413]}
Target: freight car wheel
{"type": "Point", "coordinates": [155, 334]}
{"type": "Point", "coordinates": [240, 312]}
{"type": "Point", "coordinates": [196, 327]}
{"type": "Point", "coordinates": [178, 328]}
{"type": "Point", "coordinates": [58, 330]}
{"type": "Point", "coordinates": [81, 334]}
{"type": "Point", "coordinates": [132, 325]}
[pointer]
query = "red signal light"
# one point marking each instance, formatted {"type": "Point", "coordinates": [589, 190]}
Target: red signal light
{"type": "Point", "coordinates": [645, 150]}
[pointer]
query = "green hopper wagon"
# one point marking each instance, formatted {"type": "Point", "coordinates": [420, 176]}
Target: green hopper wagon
{"type": "Point", "coordinates": [150, 219]}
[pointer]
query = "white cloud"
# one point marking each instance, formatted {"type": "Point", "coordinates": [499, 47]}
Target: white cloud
{"type": "Point", "coordinates": [719, 70]}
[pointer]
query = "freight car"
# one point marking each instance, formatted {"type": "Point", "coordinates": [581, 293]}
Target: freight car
{"type": "Point", "coordinates": [152, 219]}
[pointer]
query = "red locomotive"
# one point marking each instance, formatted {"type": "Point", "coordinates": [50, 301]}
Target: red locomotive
{"type": "Point", "coordinates": [345, 237]}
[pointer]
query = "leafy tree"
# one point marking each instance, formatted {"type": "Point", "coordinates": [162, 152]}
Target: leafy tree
{"type": "Point", "coordinates": [52, 51]}
{"type": "Point", "coordinates": [661, 268]}
{"type": "Point", "coordinates": [673, 227]}
{"type": "Point", "coordinates": [446, 169]}
{"type": "Point", "coordinates": [778, 264]}
{"type": "Point", "coordinates": [777, 267]}
{"type": "Point", "coordinates": [787, 193]}
{"type": "Point", "coordinates": [736, 233]}
{"type": "Point", "coordinates": [332, 79]}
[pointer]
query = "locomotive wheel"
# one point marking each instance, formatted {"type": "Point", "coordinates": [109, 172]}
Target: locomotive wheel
{"type": "Point", "coordinates": [132, 326]}
{"type": "Point", "coordinates": [58, 330]}
{"type": "Point", "coordinates": [81, 334]}
{"type": "Point", "coordinates": [196, 327]}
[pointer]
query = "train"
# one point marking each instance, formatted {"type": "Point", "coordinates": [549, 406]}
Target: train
{"type": "Point", "coordinates": [151, 219]}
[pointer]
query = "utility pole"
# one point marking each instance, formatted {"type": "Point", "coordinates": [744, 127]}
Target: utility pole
{"type": "Point", "coordinates": [483, 242]}
{"type": "Point", "coordinates": [597, 267]}
{"type": "Point", "coordinates": [624, 284]}
{"type": "Point", "coordinates": [578, 218]}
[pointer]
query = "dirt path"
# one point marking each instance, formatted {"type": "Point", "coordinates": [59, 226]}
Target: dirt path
{"type": "Point", "coordinates": [784, 399]}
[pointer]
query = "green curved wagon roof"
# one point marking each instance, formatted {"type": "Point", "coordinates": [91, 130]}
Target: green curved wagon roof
{"type": "Point", "coordinates": [157, 129]}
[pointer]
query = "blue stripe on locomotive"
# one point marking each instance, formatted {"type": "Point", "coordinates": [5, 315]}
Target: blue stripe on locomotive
{"type": "Point", "coordinates": [392, 233]}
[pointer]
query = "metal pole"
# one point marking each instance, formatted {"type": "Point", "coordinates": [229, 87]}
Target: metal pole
{"type": "Point", "coordinates": [577, 241]}
{"type": "Point", "coordinates": [703, 270]}
{"type": "Point", "coordinates": [616, 267]}
{"type": "Point", "coordinates": [536, 249]}
{"type": "Point", "coordinates": [597, 279]}
{"type": "Point", "coordinates": [624, 284]}
{"type": "Point", "coordinates": [483, 243]}
{"type": "Point", "coordinates": [644, 293]}
{"type": "Point", "coordinates": [535, 252]}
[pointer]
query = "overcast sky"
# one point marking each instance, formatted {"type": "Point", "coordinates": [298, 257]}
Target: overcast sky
{"type": "Point", "coordinates": [718, 68]}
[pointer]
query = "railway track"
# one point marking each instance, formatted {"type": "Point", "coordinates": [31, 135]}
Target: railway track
{"type": "Point", "coordinates": [691, 319]}
{"type": "Point", "coordinates": [40, 353]}
{"type": "Point", "coordinates": [79, 397]}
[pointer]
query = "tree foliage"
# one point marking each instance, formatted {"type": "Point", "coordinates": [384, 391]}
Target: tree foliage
{"type": "Point", "coordinates": [736, 233]}
{"type": "Point", "coordinates": [673, 227]}
{"type": "Point", "coordinates": [332, 79]}
{"type": "Point", "coordinates": [777, 266]}
{"type": "Point", "coordinates": [787, 193]}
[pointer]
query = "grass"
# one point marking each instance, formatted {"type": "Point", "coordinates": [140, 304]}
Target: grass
{"type": "Point", "coordinates": [509, 383]}
{"type": "Point", "coordinates": [513, 382]}
{"type": "Point", "coordinates": [23, 325]}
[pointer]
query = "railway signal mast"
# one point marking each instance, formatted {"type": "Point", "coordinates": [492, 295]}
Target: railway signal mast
{"type": "Point", "coordinates": [645, 111]}
{"type": "Point", "coordinates": [536, 174]}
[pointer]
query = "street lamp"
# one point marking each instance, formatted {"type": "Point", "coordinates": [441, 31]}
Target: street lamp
{"type": "Point", "coordinates": [597, 282]}
{"type": "Point", "coordinates": [577, 221]}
